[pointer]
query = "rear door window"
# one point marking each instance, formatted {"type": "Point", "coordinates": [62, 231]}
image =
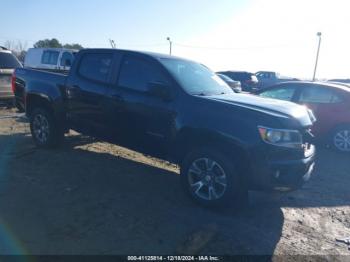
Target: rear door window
{"type": "Point", "coordinates": [137, 73]}
{"type": "Point", "coordinates": [96, 67]}
{"type": "Point", "coordinates": [50, 57]}
{"type": "Point", "coordinates": [319, 95]}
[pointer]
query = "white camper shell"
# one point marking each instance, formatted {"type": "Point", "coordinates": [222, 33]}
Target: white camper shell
{"type": "Point", "coordinates": [56, 59]}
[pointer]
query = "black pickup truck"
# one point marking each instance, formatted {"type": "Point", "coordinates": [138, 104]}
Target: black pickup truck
{"type": "Point", "coordinates": [178, 110]}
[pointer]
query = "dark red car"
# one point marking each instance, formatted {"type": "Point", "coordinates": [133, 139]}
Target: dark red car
{"type": "Point", "coordinates": [329, 102]}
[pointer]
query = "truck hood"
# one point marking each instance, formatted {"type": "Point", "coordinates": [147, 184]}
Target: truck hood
{"type": "Point", "coordinates": [274, 107]}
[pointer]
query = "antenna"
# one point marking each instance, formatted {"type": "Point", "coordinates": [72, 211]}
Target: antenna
{"type": "Point", "coordinates": [112, 43]}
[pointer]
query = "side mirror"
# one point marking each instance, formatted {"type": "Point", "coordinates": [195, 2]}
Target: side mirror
{"type": "Point", "coordinates": [159, 89]}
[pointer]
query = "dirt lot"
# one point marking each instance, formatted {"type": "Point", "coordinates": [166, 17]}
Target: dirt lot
{"type": "Point", "coordinates": [90, 197]}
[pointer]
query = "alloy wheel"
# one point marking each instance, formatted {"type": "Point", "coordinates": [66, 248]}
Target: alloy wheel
{"type": "Point", "coordinates": [342, 140]}
{"type": "Point", "coordinates": [207, 179]}
{"type": "Point", "coordinates": [41, 128]}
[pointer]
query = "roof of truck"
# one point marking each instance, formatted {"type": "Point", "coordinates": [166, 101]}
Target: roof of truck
{"type": "Point", "coordinates": [151, 54]}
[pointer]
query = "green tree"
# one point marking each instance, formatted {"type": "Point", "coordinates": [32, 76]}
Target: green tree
{"type": "Point", "coordinates": [54, 43]}
{"type": "Point", "coordinates": [73, 46]}
{"type": "Point", "coordinates": [48, 43]}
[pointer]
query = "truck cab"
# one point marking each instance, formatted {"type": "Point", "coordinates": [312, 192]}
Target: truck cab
{"type": "Point", "coordinates": [179, 110]}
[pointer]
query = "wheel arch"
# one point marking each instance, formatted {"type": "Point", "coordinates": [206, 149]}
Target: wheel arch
{"type": "Point", "coordinates": [37, 100]}
{"type": "Point", "coordinates": [190, 139]}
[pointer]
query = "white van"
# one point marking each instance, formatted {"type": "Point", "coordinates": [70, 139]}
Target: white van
{"type": "Point", "coordinates": [56, 59]}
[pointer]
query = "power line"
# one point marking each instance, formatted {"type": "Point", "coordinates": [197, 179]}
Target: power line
{"type": "Point", "coordinates": [144, 45]}
{"type": "Point", "coordinates": [220, 48]}
{"type": "Point", "coordinates": [229, 48]}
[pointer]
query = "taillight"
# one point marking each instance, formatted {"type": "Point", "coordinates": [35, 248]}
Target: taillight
{"type": "Point", "coordinates": [13, 82]}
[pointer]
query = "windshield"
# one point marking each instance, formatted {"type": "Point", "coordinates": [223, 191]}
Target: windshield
{"type": "Point", "coordinates": [8, 60]}
{"type": "Point", "coordinates": [225, 78]}
{"type": "Point", "coordinates": [195, 78]}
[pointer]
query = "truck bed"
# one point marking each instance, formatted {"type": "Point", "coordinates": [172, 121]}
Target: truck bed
{"type": "Point", "coordinates": [29, 81]}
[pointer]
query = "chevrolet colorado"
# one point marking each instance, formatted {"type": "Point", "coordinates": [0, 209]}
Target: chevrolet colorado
{"type": "Point", "coordinates": [178, 110]}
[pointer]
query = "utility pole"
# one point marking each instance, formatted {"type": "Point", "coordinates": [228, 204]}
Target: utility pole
{"type": "Point", "coordinates": [319, 34]}
{"type": "Point", "coordinates": [170, 44]}
{"type": "Point", "coordinates": [112, 43]}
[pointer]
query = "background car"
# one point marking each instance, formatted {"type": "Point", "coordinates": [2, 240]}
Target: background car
{"type": "Point", "coordinates": [346, 81]}
{"type": "Point", "coordinates": [8, 62]}
{"type": "Point", "coordinates": [269, 78]}
{"type": "Point", "coordinates": [340, 83]}
{"type": "Point", "coordinates": [330, 104]}
{"type": "Point", "coordinates": [249, 82]}
{"type": "Point", "coordinates": [53, 59]}
{"type": "Point", "coordinates": [235, 85]}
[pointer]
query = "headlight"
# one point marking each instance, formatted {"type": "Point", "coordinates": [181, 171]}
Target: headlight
{"type": "Point", "coordinates": [281, 137]}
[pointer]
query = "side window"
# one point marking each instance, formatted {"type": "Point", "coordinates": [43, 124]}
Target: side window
{"type": "Point", "coordinates": [136, 73]}
{"type": "Point", "coordinates": [283, 93]}
{"type": "Point", "coordinates": [50, 57]}
{"type": "Point", "coordinates": [96, 66]}
{"type": "Point", "coordinates": [318, 95]}
{"type": "Point", "coordinates": [234, 76]}
{"type": "Point", "coordinates": [66, 56]}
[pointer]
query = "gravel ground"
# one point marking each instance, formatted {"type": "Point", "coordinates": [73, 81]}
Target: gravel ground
{"type": "Point", "coordinates": [91, 197]}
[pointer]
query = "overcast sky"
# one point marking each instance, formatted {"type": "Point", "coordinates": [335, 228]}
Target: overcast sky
{"type": "Point", "coordinates": [251, 35]}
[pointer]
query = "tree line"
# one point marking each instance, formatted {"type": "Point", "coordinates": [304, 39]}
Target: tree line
{"type": "Point", "coordinates": [19, 48]}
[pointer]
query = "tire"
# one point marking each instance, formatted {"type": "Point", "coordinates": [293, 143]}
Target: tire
{"type": "Point", "coordinates": [45, 130]}
{"type": "Point", "coordinates": [212, 180]}
{"type": "Point", "coordinates": [340, 139]}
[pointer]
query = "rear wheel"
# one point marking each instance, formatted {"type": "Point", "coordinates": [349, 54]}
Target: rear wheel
{"type": "Point", "coordinates": [45, 129]}
{"type": "Point", "coordinates": [211, 179]}
{"type": "Point", "coordinates": [340, 139]}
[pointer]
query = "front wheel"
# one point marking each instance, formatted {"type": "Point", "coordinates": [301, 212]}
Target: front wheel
{"type": "Point", "coordinates": [340, 139]}
{"type": "Point", "coordinates": [211, 179]}
{"type": "Point", "coordinates": [45, 130]}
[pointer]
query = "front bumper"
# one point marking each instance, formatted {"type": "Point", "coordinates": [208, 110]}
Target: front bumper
{"type": "Point", "coordinates": [283, 175]}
